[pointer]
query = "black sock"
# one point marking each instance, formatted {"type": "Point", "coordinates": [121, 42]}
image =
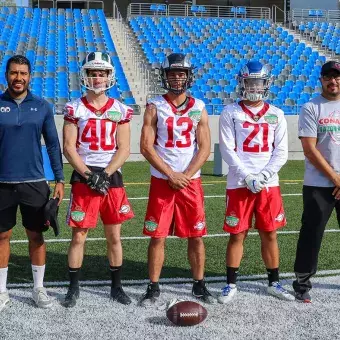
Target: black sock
{"type": "Point", "coordinates": [199, 283]}
{"type": "Point", "coordinates": [232, 275]}
{"type": "Point", "coordinates": [273, 275]}
{"type": "Point", "coordinates": [74, 274]}
{"type": "Point", "coordinates": [154, 285]}
{"type": "Point", "coordinates": [116, 275]}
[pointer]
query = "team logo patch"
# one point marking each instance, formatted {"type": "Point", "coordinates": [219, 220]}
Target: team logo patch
{"type": "Point", "coordinates": [195, 116]}
{"type": "Point", "coordinates": [331, 125]}
{"type": "Point", "coordinates": [150, 225]}
{"type": "Point", "coordinates": [115, 116]}
{"type": "Point", "coordinates": [280, 217]}
{"type": "Point", "coordinates": [199, 226]}
{"type": "Point", "coordinates": [124, 209]}
{"type": "Point", "coordinates": [271, 119]}
{"type": "Point", "coordinates": [5, 109]}
{"type": "Point", "coordinates": [77, 215]}
{"type": "Point", "coordinates": [232, 221]}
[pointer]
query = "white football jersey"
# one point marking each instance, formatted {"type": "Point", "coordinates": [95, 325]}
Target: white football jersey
{"type": "Point", "coordinates": [176, 141]}
{"type": "Point", "coordinates": [97, 129]}
{"type": "Point", "coordinates": [253, 141]}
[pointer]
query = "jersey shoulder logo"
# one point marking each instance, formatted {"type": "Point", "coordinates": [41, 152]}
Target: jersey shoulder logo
{"type": "Point", "coordinates": [271, 118]}
{"type": "Point", "coordinates": [195, 115]}
{"type": "Point", "coordinates": [114, 116]}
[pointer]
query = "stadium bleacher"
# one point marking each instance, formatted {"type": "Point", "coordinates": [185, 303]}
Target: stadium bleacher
{"type": "Point", "coordinates": [219, 47]}
{"type": "Point", "coordinates": [56, 42]}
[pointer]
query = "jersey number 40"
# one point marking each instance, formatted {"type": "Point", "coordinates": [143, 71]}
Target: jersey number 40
{"type": "Point", "coordinates": [102, 136]}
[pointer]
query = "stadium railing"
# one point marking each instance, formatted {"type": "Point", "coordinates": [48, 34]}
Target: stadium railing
{"type": "Point", "coordinates": [149, 9]}
{"type": "Point", "coordinates": [300, 14]}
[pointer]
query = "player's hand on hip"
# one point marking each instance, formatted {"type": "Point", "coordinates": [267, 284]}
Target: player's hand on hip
{"type": "Point", "coordinates": [178, 180]}
{"type": "Point", "coordinates": [59, 192]}
{"type": "Point", "coordinates": [336, 191]}
{"type": "Point", "coordinates": [255, 182]}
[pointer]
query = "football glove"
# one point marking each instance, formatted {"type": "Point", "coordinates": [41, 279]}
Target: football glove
{"type": "Point", "coordinates": [98, 181]}
{"type": "Point", "coordinates": [256, 182]}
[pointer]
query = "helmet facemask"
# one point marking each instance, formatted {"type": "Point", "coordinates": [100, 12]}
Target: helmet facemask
{"type": "Point", "coordinates": [100, 64]}
{"type": "Point", "coordinates": [178, 66]}
{"type": "Point", "coordinates": [176, 80]}
{"type": "Point", "coordinates": [98, 83]}
{"type": "Point", "coordinates": [254, 89]}
{"type": "Point", "coordinates": [254, 80]}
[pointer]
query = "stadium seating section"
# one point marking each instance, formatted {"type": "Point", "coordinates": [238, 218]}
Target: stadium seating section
{"type": "Point", "coordinates": [327, 32]}
{"type": "Point", "coordinates": [219, 47]}
{"type": "Point", "coordinates": [56, 42]}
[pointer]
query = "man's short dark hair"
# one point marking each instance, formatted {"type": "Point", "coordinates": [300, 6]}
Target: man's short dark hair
{"type": "Point", "coordinates": [18, 59]}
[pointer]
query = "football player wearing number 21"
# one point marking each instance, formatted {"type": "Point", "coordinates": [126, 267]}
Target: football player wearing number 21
{"type": "Point", "coordinates": [253, 142]}
{"type": "Point", "coordinates": [96, 144]}
{"type": "Point", "coordinates": [176, 142]}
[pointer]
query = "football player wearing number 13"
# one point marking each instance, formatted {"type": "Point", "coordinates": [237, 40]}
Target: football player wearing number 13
{"type": "Point", "coordinates": [97, 143]}
{"type": "Point", "coordinates": [253, 142]}
{"type": "Point", "coordinates": [176, 142]}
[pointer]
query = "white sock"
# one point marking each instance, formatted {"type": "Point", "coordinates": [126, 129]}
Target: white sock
{"type": "Point", "coordinates": [3, 279]}
{"type": "Point", "coordinates": [38, 275]}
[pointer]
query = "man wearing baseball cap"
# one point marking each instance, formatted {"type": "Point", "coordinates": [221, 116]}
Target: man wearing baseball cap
{"type": "Point", "coordinates": [319, 132]}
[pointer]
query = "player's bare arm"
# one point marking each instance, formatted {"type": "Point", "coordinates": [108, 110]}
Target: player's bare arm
{"type": "Point", "coordinates": [70, 133]}
{"type": "Point", "coordinates": [149, 130]}
{"type": "Point", "coordinates": [204, 145]}
{"type": "Point", "coordinates": [316, 158]}
{"type": "Point", "coordinates": [123, 149]}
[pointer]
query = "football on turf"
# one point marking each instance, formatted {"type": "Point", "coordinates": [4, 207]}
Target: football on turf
{"type": "Point", "coordinates": [186, 313]}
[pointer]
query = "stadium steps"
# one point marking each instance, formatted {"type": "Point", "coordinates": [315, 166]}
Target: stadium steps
{"type": "Point", "coordinates": [137, 84]}
{"type": "Point", "coordinates": [314, 46]}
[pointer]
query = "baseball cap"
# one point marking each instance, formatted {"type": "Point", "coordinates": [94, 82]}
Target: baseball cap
{"type": "Point", "coordinates": [51, 215]}
{"type": "Point", "coordinates": [329, 66]}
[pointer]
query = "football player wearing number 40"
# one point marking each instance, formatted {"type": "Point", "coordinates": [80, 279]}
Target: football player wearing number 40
{"type": "Point", "coordinates": [97, 143]}
{"type": "Point", "coordinates": [176, 142]}
{"type": "Point", "coordinates": [253, 142]}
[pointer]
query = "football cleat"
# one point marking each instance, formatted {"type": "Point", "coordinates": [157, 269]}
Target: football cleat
{"type": "Point", "coordinates": [228, 293]}
{"type": "Point", "coordinates": [71, 297]}
{"type": "Point", "coordinates": [4, 300]}
{"type": "Point", "coordinates": [150, 297]}
{"type": "Point", "coordinates": [118, 294]}
{"type": "Point", "coordinates": [202, 293]}
{"type": "Point", "coordinates": [303, 297]}
{"type": "Point", "coordinates": [278, 291]}
{"type": "Point", "coordinates": [41, 298]}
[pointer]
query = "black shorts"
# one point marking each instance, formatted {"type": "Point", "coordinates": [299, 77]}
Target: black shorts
{"type": "Point", "coordinates": [116, 179]}
{"type": "Point", "coordinates": [30, 197]}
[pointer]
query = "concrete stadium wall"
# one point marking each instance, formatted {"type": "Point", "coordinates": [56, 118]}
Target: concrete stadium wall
{"type": "Point", "coordinates": [295, 150]}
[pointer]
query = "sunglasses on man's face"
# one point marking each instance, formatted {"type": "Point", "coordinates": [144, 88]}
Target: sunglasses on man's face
{"type": "Point", "coordinates": [330, 77]}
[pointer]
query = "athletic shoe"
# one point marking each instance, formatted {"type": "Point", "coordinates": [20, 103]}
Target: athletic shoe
{"type": "Point", "coordinates": [71, 297]}
{"type": "Point", "coordinates": [4, 300]}
{"type": "Point", "coordinates": [303, 297]}
{"type": "Point", "coordinates": [278, 291]}
{"type": "Point", "coordinates": [150, 297]}
{"type": "Point", "coordinates": [202, 293]}
{"type": "Point", "coordinates": [228, 293]}
{"type": "Point", "coordinates": [41, 298]}
{"type": "Point", "coordinates": [118, 294]}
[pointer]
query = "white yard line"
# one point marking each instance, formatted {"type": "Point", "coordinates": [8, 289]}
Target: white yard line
{"type": "Point", "coordinates": [168, 280]}
{"type": "Point", "coordinates": [208, 196]}
{"type": "Point", "coordinates": [254, 233]}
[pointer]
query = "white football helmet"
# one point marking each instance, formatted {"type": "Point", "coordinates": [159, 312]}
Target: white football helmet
{"type": "Point", "coordinates": [254, 80]}
{"type": "Point", "coordinates": [97, 61]}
